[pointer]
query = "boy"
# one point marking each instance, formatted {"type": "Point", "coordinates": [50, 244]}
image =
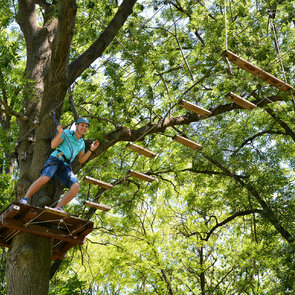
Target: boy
{"type": "Point", "coordinates": [67, 144]}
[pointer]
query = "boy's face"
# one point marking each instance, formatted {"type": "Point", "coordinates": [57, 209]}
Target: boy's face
{"type": "Point", "coordinates": [82, 128]}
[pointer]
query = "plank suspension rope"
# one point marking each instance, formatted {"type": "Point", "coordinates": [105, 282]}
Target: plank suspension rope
{"type": "Point", "coordinates": [140, 150]}
{"type": "Point", "coordinates": [240, 101]}
{"type": "Point", "coordinates": [141, 176]}
{"type": "Point", "coordinates": [256, 71]}
{"type": "Point", "coordinates": [194, 108]}
{"type": "Point", "coordinates": [187, 142]}
{"type": "Point", "coordinates": [102, 184]}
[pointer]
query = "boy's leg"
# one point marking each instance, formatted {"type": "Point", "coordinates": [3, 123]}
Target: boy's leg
{"type": "Point", "coordinates": [70, 194]}
{"type": "Point", "coordinates": [48, 171]}
{"type": "Point", "coordinates": [36, 185]}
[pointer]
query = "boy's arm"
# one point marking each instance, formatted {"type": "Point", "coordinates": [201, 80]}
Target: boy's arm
{"type": "Point", "coordinates": [57, 140]}
{"type": "Point", "coordinates": [83, 157]}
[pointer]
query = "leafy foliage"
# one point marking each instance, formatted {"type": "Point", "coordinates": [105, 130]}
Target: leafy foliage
{"type": "Point", "coordinates": [209, 223]}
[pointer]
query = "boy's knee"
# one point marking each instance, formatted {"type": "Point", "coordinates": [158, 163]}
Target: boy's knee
{"type": "Point", "coordinates": [44, 179]}
{"type": "Point", "coordinates": [75, 187]}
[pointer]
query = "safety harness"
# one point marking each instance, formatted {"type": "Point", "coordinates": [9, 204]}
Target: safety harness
{"type": "Point", "coordinates": [66, 163]}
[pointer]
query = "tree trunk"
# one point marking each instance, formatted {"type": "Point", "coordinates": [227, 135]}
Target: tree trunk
{"type": "Point", "coordinates": [29, 256]}
{"type": "Point", "coordinates": [202, 274]}
{"type": "Point", "coordinates": [28, 265]}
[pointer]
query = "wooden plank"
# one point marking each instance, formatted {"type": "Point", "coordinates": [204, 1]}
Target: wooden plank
{"type": "Point", "coordinates": [3, 243]}
{"type": "Point", "coordinates": [98, 206]}
{"type": "Point", "coordinates": [56, 211]}
{"type": "Point", "coordinates": [84, 230]}
{"type": "Point", "coordinates": [59, 250]}
{"type": "Point", "coordinates": [240, 101]}
{"type": "Point", "coordinates": [141, 150]}
{"type": "Point", "coordinates": [10, 233]}
{"type": "Point", "coordinates": [30, 214]}
{"type": "Point", "coordinates": [100, 183]}
{"type": "Point", "coordinates": [58, 255]}
{"type": "Point", "coordinates": [42, 231]}
{"type": "Point", "coordinates": [141, 176]}
{"type": "Point", "coordinates": [187, 142]}
{"type": "Point", "coordinates": [10, 211]}
{"type": "Point", "coordinates": [256, 71]}
{"type": "Point", "coordinates": [194, 108]}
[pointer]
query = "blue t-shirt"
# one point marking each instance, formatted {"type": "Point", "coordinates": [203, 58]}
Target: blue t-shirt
{"type": "Point", "coordinates": [70, 146]}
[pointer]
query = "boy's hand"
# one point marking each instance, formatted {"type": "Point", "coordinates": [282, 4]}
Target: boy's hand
{"type": "Point", "coordinates": [94, 145]}
{"type": "Point", "coordinates": [59, 129]}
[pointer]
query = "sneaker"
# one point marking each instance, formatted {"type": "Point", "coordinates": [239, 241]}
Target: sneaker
{"type": "Point", "coordinates": [24, 201]}
{"type": "Point", "coordinates": [60, 209]}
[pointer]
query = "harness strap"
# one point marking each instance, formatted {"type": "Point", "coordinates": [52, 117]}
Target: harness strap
{"type": "Point", "coordinates": [63, 156]}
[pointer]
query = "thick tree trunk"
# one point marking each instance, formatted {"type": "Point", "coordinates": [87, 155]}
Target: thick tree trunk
{"type": "Point", "coordinates": [28, 265]}
{"type": "Point", "coordinates": [29, 256]}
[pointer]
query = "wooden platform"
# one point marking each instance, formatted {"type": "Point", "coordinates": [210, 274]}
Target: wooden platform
{"type": "Point", "coordinates": [256, 71]}
{"type": "Point", "coordinates": [66, 231]}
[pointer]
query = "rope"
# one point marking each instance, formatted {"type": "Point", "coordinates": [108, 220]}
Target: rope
{"type": "Point", "coordinates": [19, 140]}
{"type": "Point", "coordinates": [225, 24]}
{"type": "Point", "coordinates": [278, 48]}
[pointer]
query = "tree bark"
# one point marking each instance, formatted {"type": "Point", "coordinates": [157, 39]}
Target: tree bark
{"type": "Point", "coordinates": [28, 265]}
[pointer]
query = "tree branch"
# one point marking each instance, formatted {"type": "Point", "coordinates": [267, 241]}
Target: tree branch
{"type": "Point", "coordinates": [7, 110]}
{"type": "Point", "coordinates": [284, 125]}
{"type": "Point", "coordinates": [27, 19]}
{"type": "Point", "coordinates": [225, 221]}
{"type": "Point", "coordinates": [98, 47]}
{"type": "Point", "coordinates": [208, 172]}
{"type": "Point", "coordinates": [268, 213]}
{"type": "Point", "coordinates": [269, 131]}
{"type": "Point", "coordinates": [42, 3]}
{"type": "Point", "coordinates": [63, 39]}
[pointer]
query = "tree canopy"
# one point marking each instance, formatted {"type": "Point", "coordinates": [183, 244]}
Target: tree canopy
{"type": "Point", "coordinates": [216, 220]}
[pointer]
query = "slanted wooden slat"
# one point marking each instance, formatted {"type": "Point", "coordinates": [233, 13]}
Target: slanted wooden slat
{"type": "Point", "coordinates": [240, 101]}
{"type": "Point", "coordinates": [100, 183]}
{"type": "Point", "coordinates": [141, 150]}
{"type": "Point", "coordinates": [30, 214]}
{"type": "Point", "coordinates": [256, 71]}
{"type": "Point", "coordinates": [194, 108]}
{"type": "Point", "coordinates": [56, 211]}
{"type": "Point", "coordinates": [141, 176]}
{"type": "Point", "coordinates": [187, 142]}
{"type": "Point", "coordinates": [98, 206]}
{"type": "Point", "coordinates": [83, 230]}
{"type": "Point", "coordinates": [3, 243]}
{"type": "Point", "coordinates": [11, 211]}
{"type": "Point", "coordinates": [58, 255]}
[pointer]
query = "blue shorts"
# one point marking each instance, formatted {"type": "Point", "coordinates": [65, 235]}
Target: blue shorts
{"type": "Point", "coordinates": [55, 166]}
